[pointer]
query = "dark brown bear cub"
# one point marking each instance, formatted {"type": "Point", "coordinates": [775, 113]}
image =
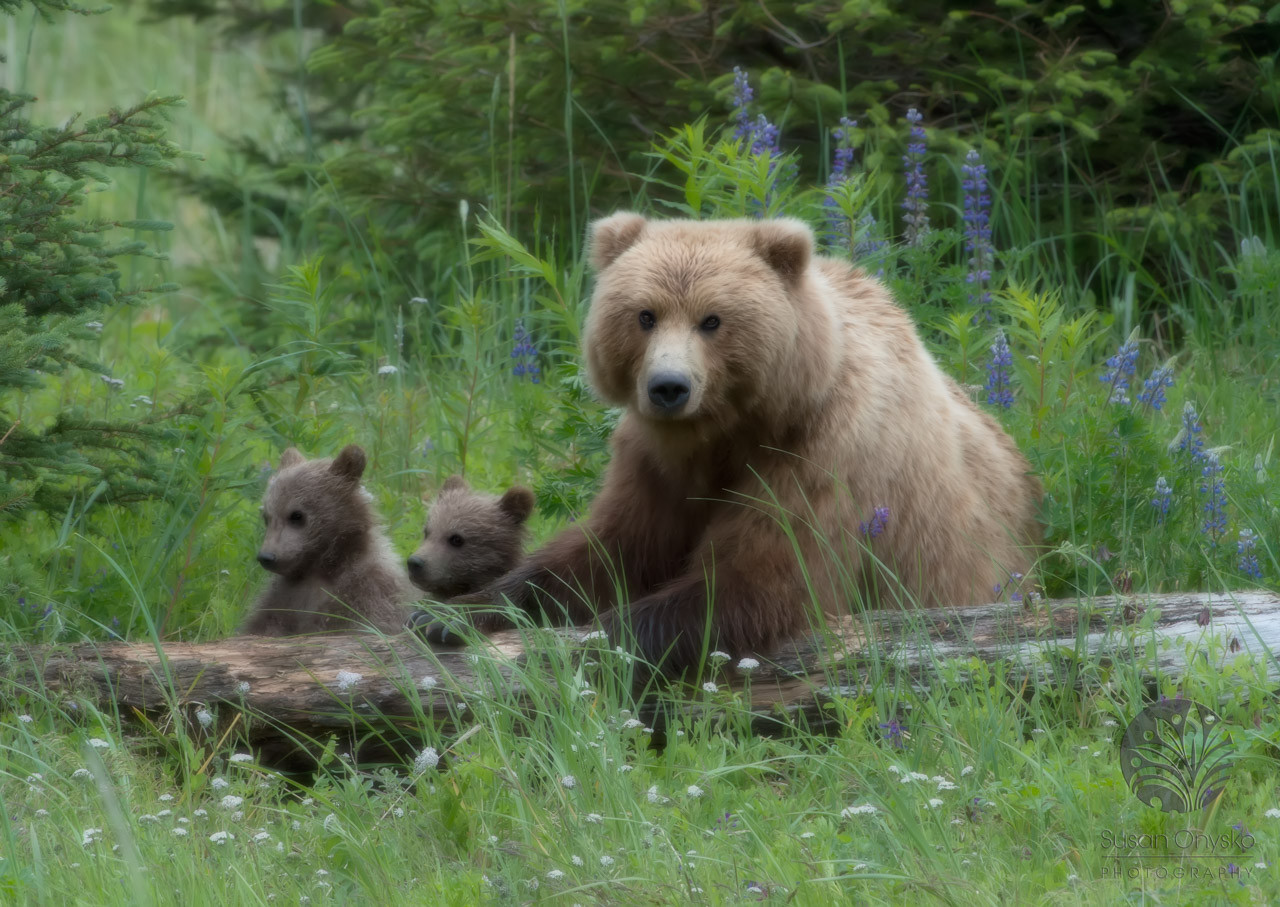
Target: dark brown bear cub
{"type": "Point", "coordinates": [334, 568]}
{"type": "Point", "coordinates": [470, 539]}
{"type": "Point", "coordinates": [775, 402]}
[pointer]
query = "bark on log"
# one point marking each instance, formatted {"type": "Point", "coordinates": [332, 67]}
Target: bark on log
{"type": "Point", "coordinates": [309, 687]}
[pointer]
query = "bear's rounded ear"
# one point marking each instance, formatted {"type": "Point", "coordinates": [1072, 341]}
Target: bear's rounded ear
{"type": "Point", "coordinates": [454, 483]}
{"type": "Point", "coordinates": [786, 244]}
{"type": "Point", "coordinates": [291, 457]}
{"type": "Point", "coordinates": [611, 236]}
{"type": "Point", "coordinates": [517, 503]}
{"type": "Point", "coordinates": [350, 462]}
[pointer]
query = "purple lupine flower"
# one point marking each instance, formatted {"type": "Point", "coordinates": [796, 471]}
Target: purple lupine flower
{"type": "Point", "coordinates": [892, 733]}
{"type": "Point", "coordinates": [876, 525]}
{"type": "Point", "coordinates": [999, 389]}
{"type": "Point", "coordinates": [916, 204]}
{"type": "Point", "coordinates": [1164, 494]}
{"type": "Point", "coordinates": [1248, 564]}
{"type": "Point", "coordinates": [743, 95]}
{"type": "Point", "coordinates": [1152, 393]}
{"type": "Point", "coordinates": [1120, 368]}
{"type": "Point", "coordinates": [841, 164]}
{"type": "Point", "coordinates": [526, 356]}
{"type": "Point", "coordinates": [1215, 502]}
{"type": "Point", "coordinates": [977, 230]}
{"type": "Point", "coordinates": [1188, 438]}
{"type": "Point", "coordinates": [867, 243]}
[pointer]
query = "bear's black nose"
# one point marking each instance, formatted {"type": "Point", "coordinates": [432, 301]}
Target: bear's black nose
{"type": "Point", "coordinates": [266, 559]}
{"type": "Point", "coordinates": [416, 564]}
{"type": "Point", "coordinates": [669, 390]}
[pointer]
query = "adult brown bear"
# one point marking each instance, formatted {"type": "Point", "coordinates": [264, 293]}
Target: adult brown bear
{"type": "Point", "coordinates": [788, 447]}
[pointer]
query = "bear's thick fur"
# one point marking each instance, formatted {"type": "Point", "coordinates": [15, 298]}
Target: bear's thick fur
{"type": "Point", "coordinates": [773, 401]}
{"type": "Point", "coordinates": [470, 539]}
{"type": "Point", "coordinates": [335, 568]}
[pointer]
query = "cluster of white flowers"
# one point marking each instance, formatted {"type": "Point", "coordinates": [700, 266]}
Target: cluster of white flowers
{"type": "Point", "coordinates": [204, 717]}
{"type": "Point", "coordinates": [710, 686]}
{"type": "Point", "coordinates": [866, 809]}
{"type": "Point", "coordinates": [747, 665]}
{"type": "Point", "coordinates": [221, 837]}
{"type": "Point", "coordinates": [1272, 814]}
{"type": "Point", "coordinates": [90, 836]}
{"type": "Point", "coordinates": [569, 782]}
{"type": "Point", "coordinates": [98, 743]}
{"type": "Point", "coordinates": [241, 757]}
{"type": "Point", "coordinates": [219, 783]}
{"type": "Point", "coordinates": [606, 861]}
{"type": "Point", "coordinates": [348, 679]}
{"type": "Point", "coordinates": [694, 791]}
{"type": "Point", "coordinates": [427, 759]}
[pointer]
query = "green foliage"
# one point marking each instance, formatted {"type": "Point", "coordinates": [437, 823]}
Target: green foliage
{"type": "Point", "coordinates": [59, 271]}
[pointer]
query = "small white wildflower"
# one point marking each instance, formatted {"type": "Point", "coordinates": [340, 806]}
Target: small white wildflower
{"type": "Point", "coordinates": [944, 784]}
{"type": "Point", "coordinates": [348, 679]}
{"type": "Point", "coordinates": [895, 770]}
{"type": "Point", "coordinates": [569, 782]}
{"type": "Point", "coordinates": [25, 719]}
{"type": "Point", "coordinates": [917, 776]}
{"type": "Point", "coordinates": [35, 778]}
{"type": "Point", "coordinates": [200, 813]}
{"type": "Point", "coordinates": [606, 861]}
{"type": "Point", "coordinates": [427, 759]}
{"type": "Point", "coordinates": [419, 300]}
{"type": "Point", "coordinates": [866, 809]}
{"type": "Point", "coordinates": [115, 384]}
{"type": "Point", "coordinates": [322, 873]}
{"type": "Point", "coordinates": [398, 812]}
{"type": "Point", "coordinates": [1110, 722]}
{"type": "Point", "coordinates": [694, 791]}
{"type": "Point", "coordinates": [388, 370]}
{"type": "Point", "coordinates": [231, 801]}
{"type": "Point", "coordinates": [42, 813]}
{"type": "Point", "coordinates": [710, 686]}
{"type": "Point", "coordinates": [576, 860]}
{"type": "Point", "coordinates": [935, 802]}
{"type": "Point", "coordinates": [595, 818]}
{"type": "Point", "coordinates": [331, 823]}
{"type": "Point", "coordinates": [631, 724]}
{"type": "Point", "coordinates": [755, 889]}
{"type": "Point", "coordinates": [648, 730]}
{"type": "Point", "coordinates": [82, 774]}
{"type": "Point", "coordinates": [179, 831]}
{"type": "Point", "coordinates": [1259, 865]}
{"type": "Point", "coordinates": [717, 655]}
{"type": "Point", "coordinates": [179, 450]}
{"type": "Point", "coordinates": [98, 743]}
{"type": "Point", "coordinates": [967, 770]}
{"type": "Point", "coordinates": [555, 875]}
{"type": "Point", "coordinates": [219, 783]}
{"type": "Point", "coordinates": [295, 825]}
{"type": "Point", "coordinates": [221, 837]}
{"type": "Point", "coordinates": [957, 821]}
{"type": "Point", "coordinates": [1096, 753]}
{"type": "Point", "coordinates": [204, 717]}
{"type": "Point", "coordinates": [164, 813]}
{"type": "Point", "coordinates": [806, 835]}
{"type": "Point", "coordinates": [859, 867]}
{"type": "Point", "coordinates": [427, 683]}
{"type": "Point", "coordinates": [241, 757]}
{"type": "Point", "coordinates": [90, 836]}
{"type": "Point", "coordinates": [748, 664]}
{"type": "Point", "coordinates": [1272, 814]}
{"type": "Point", "coordinates": [625, 768]}
{"type": "Point", "coordinates": [146, 818]}
{"type": "Point", "coordinates": [95, 326]}
{"type": "Point", "coordinates": [594, 635]}
{"type": "Point", "coordinates": [183, 820]}
{"type": "Point", "coordinates": [653, 795]}
{"type": "Point", "coordinates": [1038, 730]}
{"type": "Point", "coordinates": [262, 837]}
{"type": "Point", "coordinates": [242, 688]}
{"type": "Point", "coordinates": [308, 801]}
{"type": "Point", "coordinates": [165, 798]}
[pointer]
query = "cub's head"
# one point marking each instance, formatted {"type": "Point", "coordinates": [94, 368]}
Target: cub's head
{"type": "Point", "coordinates": [470, 539]}
{"type": "Point", "coordinates": [699, 321]}
{"type": "Point", "coordinates": [316, 513]}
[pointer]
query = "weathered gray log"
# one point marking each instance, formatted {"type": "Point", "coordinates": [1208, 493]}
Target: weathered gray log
{"type": "Point", "coordinates": [313, 686]}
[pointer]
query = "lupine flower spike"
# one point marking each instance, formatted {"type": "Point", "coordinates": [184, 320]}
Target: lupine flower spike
{"type": "Point", "coordinates": [916, 204]}
{"type": "Point", "coordinates": [977, 231]}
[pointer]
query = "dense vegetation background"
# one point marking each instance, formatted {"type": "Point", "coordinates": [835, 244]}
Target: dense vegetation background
{"type": "Point", "coordinates": [363, 223]}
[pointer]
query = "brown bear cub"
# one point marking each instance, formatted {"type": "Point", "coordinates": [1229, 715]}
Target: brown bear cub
{"type": "Point", "coordinates": [470, 539]}
{"type": "Point", "coordinates": [789, 447]}
{"type": "Point", "coordinates": [334, 567]}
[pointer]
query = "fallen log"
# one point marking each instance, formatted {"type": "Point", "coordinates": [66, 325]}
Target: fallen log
{"type": "Point", "coordinates": [362, 684]}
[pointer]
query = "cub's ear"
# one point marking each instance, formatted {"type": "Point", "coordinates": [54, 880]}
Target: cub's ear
{"type": "Point", "coordinates": [786, 244]}
{"type": "Point", "coordinates": [611, 236]}
{"type": "Point", "coordinates": [350, 463]}
{"type": "Point", "coordinates": [517, 503]}
{"type": "Point", "coordinates": [454, 483]}
{"type": "Point", "coordinates": [291, 457]}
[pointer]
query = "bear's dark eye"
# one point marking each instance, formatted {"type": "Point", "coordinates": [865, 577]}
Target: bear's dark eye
{"type": "Point", "coordinates": [456, 540]}
{"type": "Point", "coordinates": [647, 320]}
{"type": "Point", "coordinates": [297, 518]}
{"type": "Point", "coordinates": [711, 322]}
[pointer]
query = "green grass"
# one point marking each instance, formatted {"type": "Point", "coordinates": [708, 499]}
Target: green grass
{"type": "Point", "coordinates": [244, 372]}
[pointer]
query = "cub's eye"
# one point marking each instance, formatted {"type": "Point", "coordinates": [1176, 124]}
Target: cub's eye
{"type": "Point", "coordinates": [711, 322]}
{"type": "Point", "coordinates": [647, 320]}
{"type": "Point", "coordinates": [456, 540]}
{"type": "Point", "coordinates": [297, 518]}
{"type": "Point", "coordinates": [426, 533]}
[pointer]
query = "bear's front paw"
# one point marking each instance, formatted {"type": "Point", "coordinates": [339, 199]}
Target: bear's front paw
{"type": "Point", "coordinates": [429, 626]}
